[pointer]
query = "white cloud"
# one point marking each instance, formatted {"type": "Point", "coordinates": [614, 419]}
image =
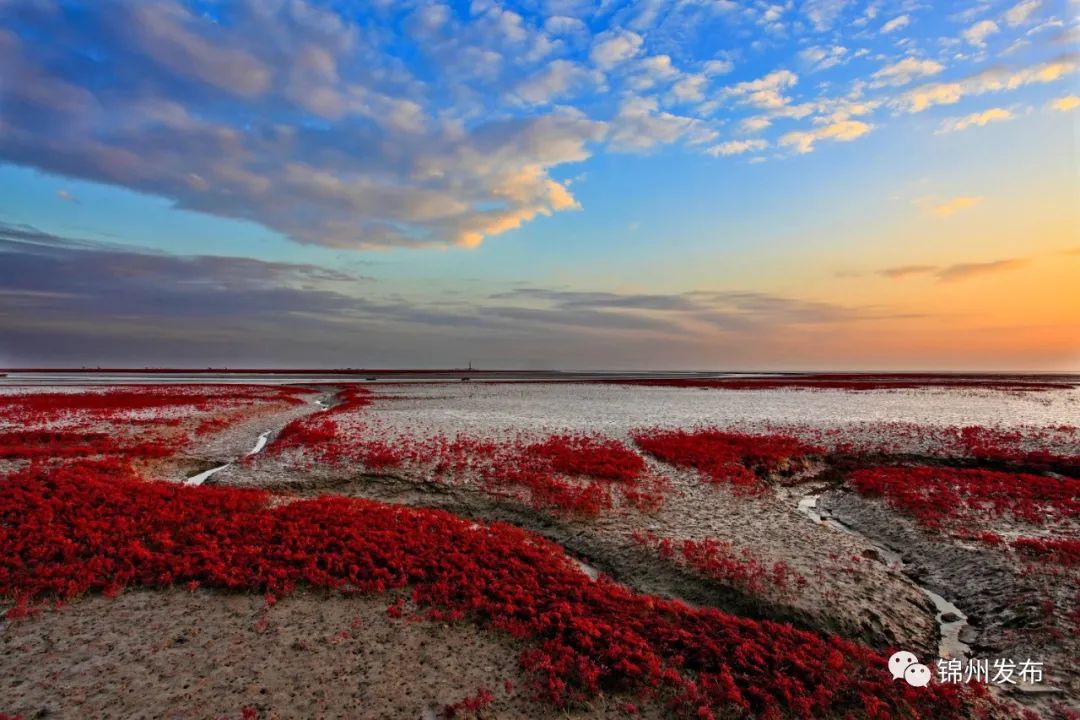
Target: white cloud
{"type": "Point", "coordinates": [737, 147]}
{"type": "Point", "coordinates": [162, 32]}
{"type": "Point", "coordinates": [994, 79]}
{"type": "Point", "coordinates": [639, 125]}
{"type": "Point", "coordinates": [976, 34]}
{"type": "Point", "coordinates": [690, 88]}
{"type": "Point", "coordinates": [652, 70]}
{"type": "Point", "coordinates": [563, 25]}
{"type": "Point", "coordinates": [427, 19]}
{"type": "Point", "coordinates": [718, 67]}
{"type": "Point", "coordinates": [1066, 103]}
{"type": "Point", "coordinates": [557, 79]}
{"type": "Point", "coordinates": [298, 119]}
{"type": "Point", "coordinates": [904, 71]}
{"type": "Point", "coordinates": [1018, 14]}
{"type": "Point", "coordinates": [766, 92]}
{"type": "Point", "coordinates": [614, 47]}
{"type": "Point", "coordinates": [756, 123]}
{"type": "Point", "coordinates": [844, 131]}
{"type": "Point", "coordinates": [978, 119]}
{"type": "Point", "coordinates": [823, 14]}
{"type": "Point", "coordinates": [822, 58]}
{"type": "Point", "coordinates": [946, 208]}
{"type": "Point", "coordinates": [897, 23]}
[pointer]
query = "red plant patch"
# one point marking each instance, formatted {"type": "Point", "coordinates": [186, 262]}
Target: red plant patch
{"type": "Point", "coordinates": [470, 706]}
{"type": "Point", "coordinates": [1008, 446]}
{"type": "Point", "coordinates": [1063, 551]}
{"type": "Point", "coordinates": [724, 456]}
{"type": "Point", "coordinates": [31, 444]}
{"type": "Point", "coordinates": [570, 473]}
{"type": "Point", "coordinates": [589, 455]}
{"type": "Point", "coordinates": [133, 423]}
{"type": "Point", "coordinates": [720, 561]}
{"type": "Point", "coordinates": [1027, 447]}
{"type": "Point", "coordinates": [89, 527]}
{"type": "Point", "coordinates": [935, 495]}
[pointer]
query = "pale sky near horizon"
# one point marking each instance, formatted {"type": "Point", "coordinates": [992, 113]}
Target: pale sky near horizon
{"type": "Point", "coordinates": [668, 184]}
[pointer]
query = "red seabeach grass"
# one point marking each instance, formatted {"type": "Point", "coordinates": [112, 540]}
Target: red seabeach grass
{"type": "Point", "coordinates": [88, 527]}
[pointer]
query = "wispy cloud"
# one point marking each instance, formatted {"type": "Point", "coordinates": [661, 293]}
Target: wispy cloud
{"type": "Point", "coordinates": [1065, 103]}
{"type": "Point", "coordinates": [951, 206]}
{"type": "Point", "coordinates": [1021, 12]}
{"type": "Point", "coordinates": [963, 271]}
{"type": "Point", "coordinates": [803, 141]}
{"type": "Point", "coordinates": [958, 271]}
{"type": "Point", "coordinates": [977, 33]}
{"type": "Point", "coordinates": [738, 147]}
{"type": "Point", "coordinates": [978, 119]}
{"type": "Point", "coordinates": [902, 271]}
{"type": "Point", "coordinates": [994, 79]}
{"type": "Point", "coordinates": [897, 23]}
{"type": "Point", "coordinates": [904, 71]}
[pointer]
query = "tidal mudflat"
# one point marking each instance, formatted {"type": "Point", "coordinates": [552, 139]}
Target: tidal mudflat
{"type": "Point", "coordinates": [589, 548]}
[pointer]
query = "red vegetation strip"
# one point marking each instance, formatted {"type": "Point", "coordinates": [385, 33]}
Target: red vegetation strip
{"type": "Point", "coordinates": [571, 472]}
{"type": "Point", "coordinates": [67, 531]}
{"type": "Point", "coordinates": [1006, 446]}
{"type": "Point", "coordinates": [590, 456]}
{"type": "Point", "coordinates": [935, 495]}
{"type": "Point", "coordinates": [54, 425]}
{"type": "Point", "coordinates": [724, 456]}
{"type": "Point", "coordinates": [30, 444]}
{"type": "Point", "coordinates": [140, 397]}
{"type": "Point", "coordinates": [1051, 447]}
{"type": "Point", "coordinates": [1063, 551]}
{"type": "Point", "coordinates": [720, 561]}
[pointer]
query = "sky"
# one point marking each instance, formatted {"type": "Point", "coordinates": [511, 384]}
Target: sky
{"type": "Point", "coordinates": [549, 184]}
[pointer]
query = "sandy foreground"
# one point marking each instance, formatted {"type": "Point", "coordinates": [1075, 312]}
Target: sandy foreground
{"type": "Point", "coordinates": [179, 654]}
{"type": "Point", "coordinates": [196, 654]}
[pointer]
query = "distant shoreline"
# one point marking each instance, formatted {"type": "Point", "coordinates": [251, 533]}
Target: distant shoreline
{"type": "Point", "coordinates": [809, 374]}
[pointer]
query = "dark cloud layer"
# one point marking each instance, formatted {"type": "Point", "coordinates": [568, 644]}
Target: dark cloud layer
{"type": "Point", "coordinates": [71, 300]}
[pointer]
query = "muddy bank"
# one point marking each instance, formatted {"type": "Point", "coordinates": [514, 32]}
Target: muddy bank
{"type": "Point", "coordinates": [1003, 604]}
{"type": "Point", "coordinates": [843, 591]}
{"type": "Point", "coordinates": [177, 655]}
{"type": "Point", "coordinates": [237, 440]}
{"type": "Point", "coordinates": [628, 563]}
{"type": "Point", "coordinates": [952, 622]}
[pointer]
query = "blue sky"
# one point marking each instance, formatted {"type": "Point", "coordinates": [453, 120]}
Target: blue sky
{"type": "Point", "coordinates": [658, 183]}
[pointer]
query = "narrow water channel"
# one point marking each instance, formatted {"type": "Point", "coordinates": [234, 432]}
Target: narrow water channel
{"type": "Point", "coordinates": [949, 644]}
{"type": "Point", "coordinates": [200, 478]}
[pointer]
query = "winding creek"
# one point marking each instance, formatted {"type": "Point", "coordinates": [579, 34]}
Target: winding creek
{"type": "Point", "coordinates": [949, 630]}
{"type": "Point", "coordinates": [200, 478]}
{"type": "Point", "coordinates": [950, 619]}
{"type": "Point", "coordinates": [322, 402]}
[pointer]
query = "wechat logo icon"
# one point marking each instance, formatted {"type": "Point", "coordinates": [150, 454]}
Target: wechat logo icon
{"type": "Point", "coordinates": [905, 665]}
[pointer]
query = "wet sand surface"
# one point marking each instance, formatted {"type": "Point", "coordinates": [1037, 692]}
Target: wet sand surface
{"type": "Point", "coordinates": [176, 654]}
